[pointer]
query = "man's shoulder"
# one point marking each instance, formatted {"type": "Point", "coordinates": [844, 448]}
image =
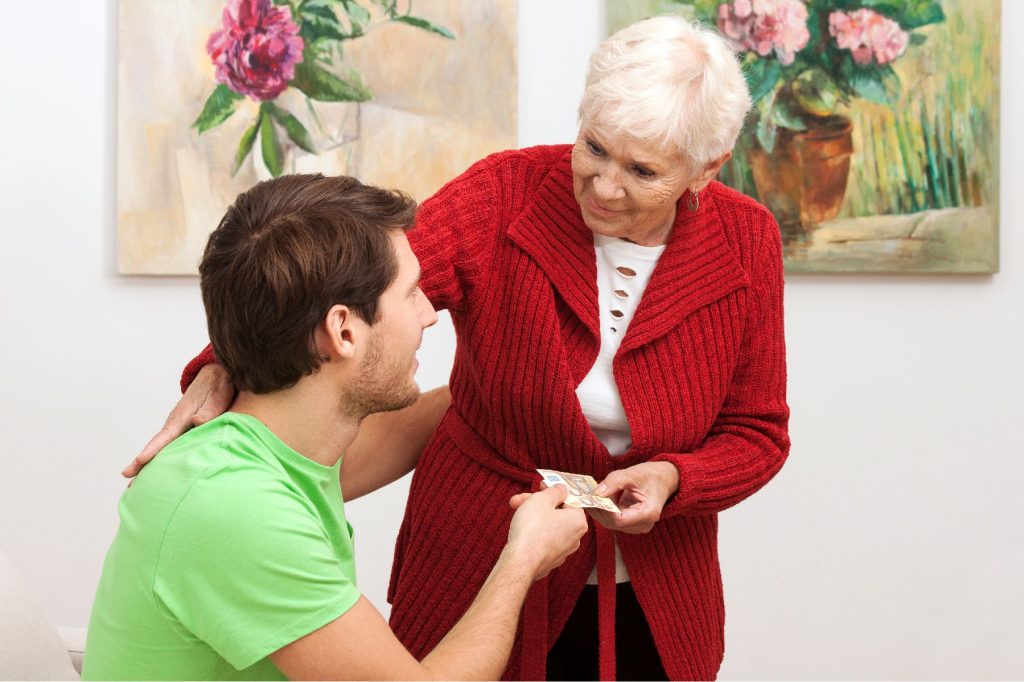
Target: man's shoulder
{"type": "Point", "coordinates": [210, 478]}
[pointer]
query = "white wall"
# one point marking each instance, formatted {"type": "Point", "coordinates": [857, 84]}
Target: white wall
{"type": "Point", "coordinates": [891, 545]}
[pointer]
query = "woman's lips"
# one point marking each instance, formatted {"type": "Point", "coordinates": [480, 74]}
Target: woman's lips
{"type": "Point", "coordinates": [600, 210]}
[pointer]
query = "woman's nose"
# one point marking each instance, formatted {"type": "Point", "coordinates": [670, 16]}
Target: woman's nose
{"type": "Point", "coordinates": [607, 185]}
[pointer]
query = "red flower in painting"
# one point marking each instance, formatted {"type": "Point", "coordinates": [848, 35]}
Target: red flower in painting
{"type": "Point", "coordinates": [257, 49]}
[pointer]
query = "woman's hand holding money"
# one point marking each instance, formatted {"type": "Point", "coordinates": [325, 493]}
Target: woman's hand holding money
{"type": "Point", "coordinates": [543, 532]}
{"type": "Point", "coordinates": [641, 492]}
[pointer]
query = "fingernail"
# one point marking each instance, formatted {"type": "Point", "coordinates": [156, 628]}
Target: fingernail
{"type": "Point", "coordinates": [600, 490]}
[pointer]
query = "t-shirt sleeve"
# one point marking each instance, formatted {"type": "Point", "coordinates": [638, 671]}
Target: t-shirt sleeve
{"type": "Point", "coordinates": [249, 569]}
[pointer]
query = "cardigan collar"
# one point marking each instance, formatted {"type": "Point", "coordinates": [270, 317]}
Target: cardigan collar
{"type": "Point", "coordinates": [696, 268]}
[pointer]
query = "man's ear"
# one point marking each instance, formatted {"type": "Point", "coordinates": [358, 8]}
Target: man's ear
{"type": "Point", "coordinates": [339, 332]}
{"type": "Point", "coordinates": [709, 172]}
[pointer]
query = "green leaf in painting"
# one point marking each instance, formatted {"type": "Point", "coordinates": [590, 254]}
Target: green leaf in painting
{"type": "Point", "coordinates": [297, 132]}
{"type": "Point", "coordinates": [218, 108]}
{"type": "Point", "coordinates": [321, 23]}
{"type": "Point", "coordinates": [420, 22]}
{"type": "Point", "coordinates": [704, 10]}
{"type": "Point", "coordinates": [909, 14]}
{"type": "Point", "coordinates": [816, 92]}
{"type": "Point", "coordinates": [786, 114]}
{"type": "Point", "coordinates": [917, 38]}
{"type": "Point", "coordinates": [389, 7]}
{"type": "Point", "coordinates": [766, 133]}
{"type": "Point", "coordinates": [245, 145]}
{"type": "Point", "coordinates": [766, 126]}
{"type": "Point", "coordinates": [886, 7]}
{"type": "Point", "coordinates": [880, 85]}
{"type": "Point", "coordinates": [358, 16]}
{"type": "Point", "coordinates": [273, 156]}
{"type": "Point", "coordinates": [761, 75]}
{"type": "Point", "coordinates": [324, 86]}
{"type": "Point", "coordinates": [917, 13]}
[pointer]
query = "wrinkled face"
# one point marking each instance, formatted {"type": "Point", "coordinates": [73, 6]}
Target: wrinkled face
{"type": "Point", "coordinates": [386, 378]}
{"type": "Point", "coordinates": [626, 187]}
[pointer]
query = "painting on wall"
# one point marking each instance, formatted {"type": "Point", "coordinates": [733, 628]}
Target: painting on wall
{"type": "Point", "coordinates": [215, 95]}
{"type": "Point", "coordinates": [874, 135]}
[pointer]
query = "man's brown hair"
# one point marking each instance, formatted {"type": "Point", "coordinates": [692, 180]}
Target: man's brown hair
{"type": "Point", "coordinates": [285, 252]}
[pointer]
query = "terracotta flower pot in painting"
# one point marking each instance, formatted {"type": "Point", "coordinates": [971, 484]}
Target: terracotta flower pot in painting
{"type": "Point", "coordinates": [803, 179]}
{"type": "Point", "coordinates": [803, 61]}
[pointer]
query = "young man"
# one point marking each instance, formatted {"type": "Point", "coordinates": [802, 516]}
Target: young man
{"type": "Point", "coordinates": [234, 558]}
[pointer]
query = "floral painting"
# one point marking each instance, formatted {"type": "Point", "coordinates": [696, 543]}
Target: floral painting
{"type": "Point", "coordinates": [215, 95]}
{"type": "Point", "coordinates": [874, 136]}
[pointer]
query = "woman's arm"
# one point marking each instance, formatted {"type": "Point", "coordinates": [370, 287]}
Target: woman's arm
{"type": "Point", "coordinates": [389, 444]}
{"type": "Point", "coordinates": [749, 440]}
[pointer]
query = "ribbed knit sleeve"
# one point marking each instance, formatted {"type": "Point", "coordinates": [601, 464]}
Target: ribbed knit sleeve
{"type": "Point", "coordinates": [188, 375]}
{"type": "Point", "coordinates": [454, 232]}
{"type": "Point", "coordinates": [749, 440]}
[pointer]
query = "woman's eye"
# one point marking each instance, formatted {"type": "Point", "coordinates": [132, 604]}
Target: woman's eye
{"type": "Point", "coordinates": [594, 149]}
{"type": "Point", "coordinates": [643, 172]}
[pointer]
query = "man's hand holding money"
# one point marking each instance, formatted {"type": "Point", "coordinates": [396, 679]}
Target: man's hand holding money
{"type": "Point", "coordinates": [543, 531]}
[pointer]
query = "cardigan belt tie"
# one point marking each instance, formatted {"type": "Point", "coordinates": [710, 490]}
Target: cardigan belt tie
{"type": "Point", "coordinates": [535, 626]}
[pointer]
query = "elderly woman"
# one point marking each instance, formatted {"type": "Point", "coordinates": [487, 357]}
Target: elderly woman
{"type": "Point", "coordinates": [619, 314]}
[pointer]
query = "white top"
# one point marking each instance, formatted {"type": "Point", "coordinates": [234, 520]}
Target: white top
{"type": "Point", "coordinates": [623, 271]}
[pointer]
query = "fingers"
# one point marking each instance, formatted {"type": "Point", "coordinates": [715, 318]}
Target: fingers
{"type": "Point", "coordinates": [572, 549]}
{"type": "Point", "coordinates": [180, 420]}
{"type": "Point", "coordinates": [177, 423]}
{"type": "Point", "coordinates": [606, 519]}
{"type": "Point", "coordinates": [155, 444]}
{"type": "Point", "coordinates": [636, 521]}
{"type": "Point", "coordinates": [613, 484]}
{"type": "Point", "coordinates": [517, 500]}
{"type": "Point", "coordinates": [209, 396]}
{"type": "Point", "coordinates": [554, 495]}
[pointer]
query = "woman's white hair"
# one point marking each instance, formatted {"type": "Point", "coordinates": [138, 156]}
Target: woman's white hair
{"type": "Point", "coordinates": [668, 81]}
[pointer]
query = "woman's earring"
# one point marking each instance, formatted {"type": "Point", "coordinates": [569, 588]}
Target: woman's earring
{"type": "Point", "coordinates": [693, 201]}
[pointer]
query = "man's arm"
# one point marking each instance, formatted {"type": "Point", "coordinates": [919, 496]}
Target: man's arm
{"type": "Point", "coordinates": [400, 435]}
{"type": "Point", "coordinates": [360, 645]}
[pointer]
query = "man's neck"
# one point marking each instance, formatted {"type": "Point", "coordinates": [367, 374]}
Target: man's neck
{"type": "Point", "coordinates": [305, 419]}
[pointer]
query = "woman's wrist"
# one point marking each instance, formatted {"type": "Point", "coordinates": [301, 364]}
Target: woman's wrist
{"type": "Point", "coordinates": [668, 474]}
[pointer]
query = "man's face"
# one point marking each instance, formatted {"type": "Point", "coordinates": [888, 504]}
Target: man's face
{"type": "Point", "coordinates": [387, 376]}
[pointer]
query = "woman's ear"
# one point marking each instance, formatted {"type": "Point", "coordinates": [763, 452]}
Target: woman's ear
{"type": "Point", "coordinates": [709, 172]}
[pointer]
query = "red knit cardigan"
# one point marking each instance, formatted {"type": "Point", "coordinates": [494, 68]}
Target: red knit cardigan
{"type": "Point", "coordinates": [701, 371]}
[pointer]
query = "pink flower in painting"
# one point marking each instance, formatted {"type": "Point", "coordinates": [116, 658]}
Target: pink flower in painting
{"type": "Point", "coordinates": [868, 35]}
{"type": "Point", "coordinates": [257, 49]}
{"type": "Point", "coordinates": [765, 26]}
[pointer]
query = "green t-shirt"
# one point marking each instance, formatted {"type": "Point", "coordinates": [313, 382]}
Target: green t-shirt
{"type": "Point", "coordinates": [231, 546]}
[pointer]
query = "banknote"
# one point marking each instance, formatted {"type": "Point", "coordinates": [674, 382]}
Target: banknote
{"type": "Point", "coordinates": [581, 490]}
